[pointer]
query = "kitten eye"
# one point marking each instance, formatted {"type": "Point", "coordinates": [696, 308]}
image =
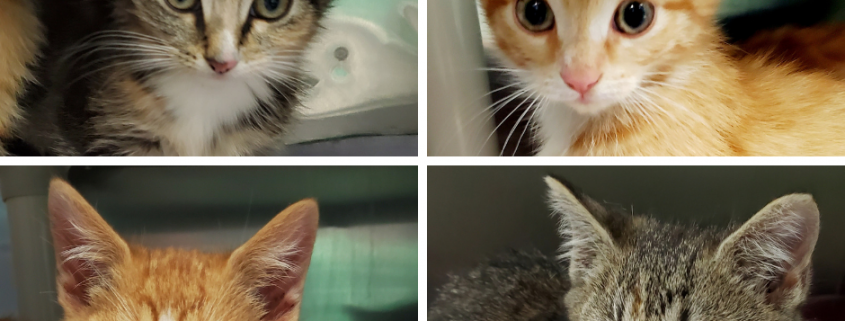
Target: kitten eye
{"type": "Point", "coordinates": [183, 5]}
{"type": "Point", "coordinates": [634, 17]}
{"type": "Point", "coordinates": [535, 15]}
{"type": "Point", "coordinates": [271, 9]}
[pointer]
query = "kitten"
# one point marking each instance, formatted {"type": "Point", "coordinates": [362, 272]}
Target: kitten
{"type": "Point", "coordinates": [655, 77]}
{"type": "Point", "coordinates": [817, 48]}
{"type": "Point", "coordinates": [101, 277]}
{"type": "Point", "coordinates": [19, 42]}
{"type": "Point", "coordinates": [171, 77]}
{"type": "Point", "coordinates": [624, 267]}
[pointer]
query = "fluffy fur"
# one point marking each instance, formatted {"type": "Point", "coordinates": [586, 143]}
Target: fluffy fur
{"type": "Point", "coordinates": [136, 80]}
{"type": "Point", "coordinates": [817, 48]}
{"type": "Point", "coordinates": [674, 89]}
{"type": "Point", "coordinates": [517, 286]}
{"type": "Point", "coordinates": [622, 267]}
{"type": "Point", "coordinates": [101, 277]}
{"type": "Point", "coordinates": [19, 43]}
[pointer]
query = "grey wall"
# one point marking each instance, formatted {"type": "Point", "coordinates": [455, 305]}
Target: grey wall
{"type": "Point", "coordinates": [7, 290]}
{"type": "Point", "coordinates": [476, 211]}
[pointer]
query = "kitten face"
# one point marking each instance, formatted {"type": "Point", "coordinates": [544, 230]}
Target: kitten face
{"type": "Point", "coordinates": [595, 54]}
{"type": "Point", "coordinates": [628, 268]}
{"type": "Point", "coordinates": [102, 278]}
{"type": "Point", "coordinates": [220, 39]}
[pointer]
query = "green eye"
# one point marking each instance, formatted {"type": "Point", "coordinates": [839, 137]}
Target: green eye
{"type": "Point", "coordinates": [271, 9]}
{"type": "Point", "coordinates": [182, 5]}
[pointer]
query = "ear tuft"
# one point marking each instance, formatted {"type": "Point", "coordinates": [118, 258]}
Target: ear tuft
{"type": "Point", "coordinates": [586, 241]}
{"type": "Point", "coordinates": [774, 248]}
{"type": "Point", "coordinates": [86, 247]}
{"type": "Point", "coordinates": [273, 263]}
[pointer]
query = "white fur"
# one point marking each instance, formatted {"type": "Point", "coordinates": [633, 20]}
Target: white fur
{"type": "Point", "coordinates": [202, 103]}
{"type": "Point", "coordinates": [166, 316]}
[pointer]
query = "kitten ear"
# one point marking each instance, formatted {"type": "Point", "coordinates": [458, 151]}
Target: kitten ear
{"type": "Point", "coordinates": [86, 247]}
{"type": "Point", "coordinates": [774, 248]}
{"type": "Point", "coordinates": [273, 263]}
{"type": "Point", "coordinates": [586, 240]}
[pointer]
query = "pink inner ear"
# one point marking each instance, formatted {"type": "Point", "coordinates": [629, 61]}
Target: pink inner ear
{"type": "Point", "coordinates": [285, 290]}
{"type": "Point", "coordinates": [79, 283]}
{"type": "Point", "coordinates": [277, 302]}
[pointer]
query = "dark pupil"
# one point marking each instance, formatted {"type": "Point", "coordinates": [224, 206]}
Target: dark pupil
{"type": "Point", "coordinates": [634, 15]}
{"type": "Point", "coordinates": [271, 5]}
{"type": "Point", "coordinates": [536, 12]}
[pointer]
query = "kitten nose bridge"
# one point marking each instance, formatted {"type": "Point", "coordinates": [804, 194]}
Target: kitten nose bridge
{"type": "Point", "coordinates": [580, 79]}
{"type": "Point", "coordinates": [222, 51]}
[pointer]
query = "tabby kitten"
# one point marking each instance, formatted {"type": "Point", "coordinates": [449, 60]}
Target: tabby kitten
{"type": "Point", "coordinates": [623, 267]}
{"type": "Point", "coordinates": [19, 44]}
{"type": "Point", "coordinates": [172, 77]}
{"type": "Point", "coordinates": [655, 77]}
{"type": "Point", "coordinates": [101, 277]}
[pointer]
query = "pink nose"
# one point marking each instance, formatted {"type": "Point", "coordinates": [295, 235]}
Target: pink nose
{"type": "Point", "coordinates": [580, 80]}
{"type": "Point", "coordinates": [221, 67]}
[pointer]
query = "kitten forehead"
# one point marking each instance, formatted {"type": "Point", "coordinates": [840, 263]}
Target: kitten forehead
{"type": "Point", "coordinates": [584, 18]}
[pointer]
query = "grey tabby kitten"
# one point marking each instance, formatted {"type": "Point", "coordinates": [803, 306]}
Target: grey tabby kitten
{"type": "Point", "coordinates": [169, 77]}
{"type": "Point", "coordinates": [632, 268]}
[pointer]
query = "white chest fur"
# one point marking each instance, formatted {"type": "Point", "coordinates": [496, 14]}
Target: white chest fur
{"type": "Point", "coordinates": [557, 126]}
{"type": "Point", "coordinates": [202, 105]}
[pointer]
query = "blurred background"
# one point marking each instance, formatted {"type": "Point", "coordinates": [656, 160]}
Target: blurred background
{"type": "Point", "coordinates": [475, 212]}
{"type": "Point", "coordinates": [364, 264]}
{"type": "Point", "coordinates": [459, 122]}
{"type": "Point", "coordinates": [364, 95]}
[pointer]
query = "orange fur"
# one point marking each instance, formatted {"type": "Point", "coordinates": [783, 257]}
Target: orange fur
{"type": "Point", "coordinates": [102, 278]}
{"type": "Point", "coordinates": [818, 48]}
{"type": "Point", "coordinates": [19, 41]}
{"type": "Point", "coordinates": [675, 89]}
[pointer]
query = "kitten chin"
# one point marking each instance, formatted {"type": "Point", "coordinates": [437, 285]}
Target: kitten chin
{"type": "Point", "coordinates": [690, 97]}
{"type": "Point", "coordinates": [101, 277]}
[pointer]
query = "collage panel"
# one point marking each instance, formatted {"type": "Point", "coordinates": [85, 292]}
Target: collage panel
{"type": "Point", "coordinates": [208, 243]}
{"type": "Point", "coordinates": [636, 78]}
{"type": "Point", "coordinates": [209, 77]}
{"type": "Point", "coordinates": [635, 243]}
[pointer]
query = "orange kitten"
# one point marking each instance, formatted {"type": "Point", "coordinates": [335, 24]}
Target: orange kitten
{"type": "Point", "coordinates": [102, 278]}
{"type": "Point", "coordinates": [622, 77]}
{"type": "Point", "coordinates": [819, 48]}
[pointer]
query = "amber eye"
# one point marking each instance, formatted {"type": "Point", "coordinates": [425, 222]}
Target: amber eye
{"type": "Point", "coordinates": [183, 5]}
{"type": "Point", "coordinates": [634, 17]}
{"type": "Point", "coordinates": [535, 15]}
{"type": "Point", "coordinates": [271, 9]}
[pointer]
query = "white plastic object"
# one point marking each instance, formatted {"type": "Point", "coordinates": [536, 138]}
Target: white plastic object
{"type": "Point", "coordinates": [459, 123]}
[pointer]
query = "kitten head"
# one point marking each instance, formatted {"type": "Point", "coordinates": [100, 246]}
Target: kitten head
{"type": "Point", "coordinates": [216, 39]}
{"type": "Point", "coordinates": [631, 268]}
{"type": "Point", "coordinates": [102, 278]}
{"type": "Point", "coordinates": [595, 54]}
